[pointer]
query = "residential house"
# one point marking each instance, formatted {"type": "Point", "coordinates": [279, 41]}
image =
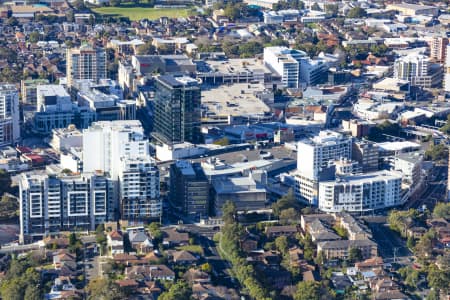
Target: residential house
{"type": "Point", "coordinates": [63, 257]}
{"type": "Point", "coordinates": [140, 241]}
{"type": "Point", "coordinates": [193, 276]}
{"type": "Point", "coordinates": [150, 272]}
{"type": "Point", "coordinates": [115, 242]}
{"type": "Point", "coordinates": [182, 257]}
{"type": "Point", "coordinates": [173, 237]}
{"type": "Point", "coordinates": [276, 231]}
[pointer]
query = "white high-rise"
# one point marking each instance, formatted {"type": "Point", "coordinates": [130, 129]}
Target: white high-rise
{"type": "Point", "coordinates": [9, 115]}
{"type": "Point", "coordinates": [361, 193]}
{"type": "Point", "coordinates": [315, 156]}
{"type": "Point", "coordinates": [121, 149]}
{"type": "Point", "coordinates": [139, 189]}
{"type": "Point", "coordinates": [53, 203]}
{"type": "Point", "coordinates": [286, 62]}
{"type": "Point", "coordinates": [447, 70]}
{"type": "Point", "coordinates": [418, 70]}
{"type": "Point", "coordinates": [105, 143]}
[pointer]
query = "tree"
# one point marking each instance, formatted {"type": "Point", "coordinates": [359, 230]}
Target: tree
{"type": "Point", "coordinates": [410, 276]}
{"type": "Point", "coordinates": [115, 2]}
{"type": "Point", "coordinates": [437, 152]}
{"type": "Point", "coordinates": [433, 295]}
{"type": "Point", "coordinates": [231, 11]}
{"type": "Point", "coordinates": [385, 128]}
{"type": "Point", "coordinates": [282, 244]}
{"type": "Point", "coordinates": [355, 254]}
{"type": "Point", "coordinates": [34, 37]}
{"type": "Point", "coordinates": [410, 243]}
{"type": "Point", "coordinates": [442, 210]}
{"type": "Point", "coordinates": [438, 279]}
{"type": "Point", "coordinates": [146, 49]}
{"type": "Point", "coordinates": [316, 7]}
{"type": "Point", "coordinates": [289, 215]}
{"type": "Point", "coordinates": [307, 290]}
{"type": "Point", "coordinates": [356, 12]}
{"type": "Point", "coordinates": [206, 267]}
{"type": "Point", "coordinates": [9, 207]}
{"type": "Point", "coordinates": [229, 212]}
{"type": "Point", "coordinates": [104, 288]}
{"type": "Point", "coordinates": [425, 245]}
{"type": "Point", "coordinates": [285, 202]}
{"type": "Point", "coordinates": [180, 291]}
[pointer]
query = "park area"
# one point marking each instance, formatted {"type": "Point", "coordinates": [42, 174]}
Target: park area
{"type": "Point", "coordinates": [138, 13]}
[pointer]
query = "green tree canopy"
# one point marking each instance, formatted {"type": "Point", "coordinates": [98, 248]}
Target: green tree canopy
{"type": "Point", "coordinates": [442, 210]}
{"type": "Point", "coordinates": [357, 12]}
{"type": "Point", "coordinates": [179, 290]}
{"type": "Point", "coordinates": [104, 289]}
{"type": "Point", "coordinates": [286, 202]}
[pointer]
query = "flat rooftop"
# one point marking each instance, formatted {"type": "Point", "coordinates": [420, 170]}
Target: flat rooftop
{"type": "Point", "coordinates": [233, 66]}
{"type": "Point", "coordinates": [236, 100]}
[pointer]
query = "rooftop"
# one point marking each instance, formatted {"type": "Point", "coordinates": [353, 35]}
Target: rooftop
{"type": "Point", "coordinates": [234, 100]}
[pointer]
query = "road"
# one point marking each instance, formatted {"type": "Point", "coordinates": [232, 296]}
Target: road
{"type": "Point", "coordinates": [435, 191]}
{"type": "Point", "coordinates": [390, 245]}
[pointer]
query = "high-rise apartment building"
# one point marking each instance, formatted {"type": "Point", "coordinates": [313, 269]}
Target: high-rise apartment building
{"type": "Point", "coordinates": [438, 47]}
{"type": "Point", "coordinates": [361, 193]}
{"type": "Point", "coordinates": [286, 62]}
{"type": "Point", "coordinates": [366, 154]}
{"type": "Point", "coordinates": [9, 114]}
{"type": "Point", "coordinates": [86, 62]}
{"type": "Point", "coordinates": [315, 158]}
{"type": "Point", "coordinates": [418, 70]}
{"type": "Point", "coordinates": [122, 150]}
{"type": "Point", "coordinates": [112, 141]}
{"type": "Point", "coordinates": [447, 69]}
{"type": "Point", "coordinates": [189, 189]}
{"type": "Point", "coordinates": [139, 189]}
{"type": "Point", "coordinates": [53, 203]}
{"type": "Point", "coordinates": [177, 110]}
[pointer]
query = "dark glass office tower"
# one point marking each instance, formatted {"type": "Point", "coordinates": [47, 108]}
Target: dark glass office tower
{"type": "Point", "coordinates": [177, 110]}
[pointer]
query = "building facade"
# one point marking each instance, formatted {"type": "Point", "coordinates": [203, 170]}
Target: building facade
{"type": "Point", "coordinates": [139, 190]}
{"type": "Point", "coordinates": [286, 63]}
{"type": "Point", "coordinates": [418, 70]}
{"type": "Point", "coordinates": [361, 193]}
{"type": "Point", "coordinates": [86, 62]}
{"type": "Point", "coordinates": [9, 115]}
{"type": "Point", "coordinates": [50, 204]}
{"type": "Point", "coordinates": [189, 189]}
{"type": "Point", "coordinates": [177, 110]}
{"type": "Point", "coordinates": [315, 161]}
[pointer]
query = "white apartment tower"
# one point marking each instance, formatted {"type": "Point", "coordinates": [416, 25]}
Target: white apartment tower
{"type": "Point", "coordinates": [121, 149]}
{"type": "Point", "coordinates": [418, 70]}
{"type": "Point", "coordinates": [361, 193]}
{"type": "Point", "coordinates": [447, 70]}
{"type": "Point", "coordinates": [139, 189]}
{"type": "Point", "coordinates": [53, 203]}
{"type": "Point", "coordinates": [315, 157]}
{"type": "Point", "coordinates": [411, 66]}
{"type": "Point", "coordinates": [105, 143]}
{"type": "Point", "coordinates": [286, 62]}
{"type": "Point", "coordinates": [86, 62]}
{"type": "Point", "coordinates": [438, 45]}
{"type": "Point", "coordinates": [9, 115]}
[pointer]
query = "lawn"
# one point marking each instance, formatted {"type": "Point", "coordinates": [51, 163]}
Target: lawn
{"type": "Point", "coordinates": [138, 13]}
{"type": "Point", "coordinates": [192, 248]}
